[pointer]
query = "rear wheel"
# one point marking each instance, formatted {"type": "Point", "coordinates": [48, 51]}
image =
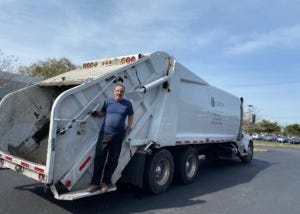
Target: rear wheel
{"type": "Point", "coordinates": [248, 158]}
{"type": "Point", "coordinates": [159, 172]}
{"type": "Point", "coordinates": [187, 164]}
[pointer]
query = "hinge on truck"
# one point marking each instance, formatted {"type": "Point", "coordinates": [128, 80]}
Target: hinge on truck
{"type": "Point", "coordinates": [147, 148]}
{"type": "Point", "coordinates": [115, 79]}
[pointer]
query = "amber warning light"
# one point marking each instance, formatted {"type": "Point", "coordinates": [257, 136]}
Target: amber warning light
{"type": "Point", "coordinates": [110, 62]}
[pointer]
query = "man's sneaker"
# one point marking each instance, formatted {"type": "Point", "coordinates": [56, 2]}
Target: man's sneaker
{"type": "Point", "coordinates": [93, 188]}
{"type": "Point", "coordinates": [104, 187]}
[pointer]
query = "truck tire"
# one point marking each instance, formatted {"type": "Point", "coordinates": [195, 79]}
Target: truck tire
{"type": "Point", "coordinates": [159, 172]}
{"type": "Point", "coordinates": [186, 166]}
{"type": "Point", "coordinates": [248, 158]}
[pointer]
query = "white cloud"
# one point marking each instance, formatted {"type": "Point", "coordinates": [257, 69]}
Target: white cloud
{"type": "Point", "coordinates": [278, 38]}
{"type": "Point", "coordinates": [133, 26]}
{"type": "Point", "coordinates": [209, 37]}
{"type": "Point", "coordinates": [80, 30]}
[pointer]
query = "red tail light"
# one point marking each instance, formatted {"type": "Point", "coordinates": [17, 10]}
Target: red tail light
{"type": "Point", "coordinates": [68, 183]}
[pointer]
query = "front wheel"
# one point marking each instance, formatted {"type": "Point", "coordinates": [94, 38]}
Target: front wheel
{"type": "Point", "coordinates": [159, 172]}
{"type": "Point", "coordinates": [248, 158]}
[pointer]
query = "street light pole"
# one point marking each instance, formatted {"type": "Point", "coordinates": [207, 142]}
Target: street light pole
{"type": "Point", "coordinates": [250, 115]}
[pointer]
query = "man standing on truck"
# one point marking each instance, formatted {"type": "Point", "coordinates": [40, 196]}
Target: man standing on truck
{"type": "Point", "coordinates": [115, 110]}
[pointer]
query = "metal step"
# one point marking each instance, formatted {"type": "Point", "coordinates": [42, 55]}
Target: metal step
{"type": "Point", "coordinates": [80, 194]}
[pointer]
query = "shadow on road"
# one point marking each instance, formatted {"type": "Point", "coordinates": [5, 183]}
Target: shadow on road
{"type": "Point", "coordinates": [213, 177]}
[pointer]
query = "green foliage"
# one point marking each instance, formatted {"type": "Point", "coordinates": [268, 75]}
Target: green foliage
{"type": "Point", "coordinates": [292, 130]}
{"type": "Point", "coordinates": [7, 63]}
{"type": "Point", "coordinates": [48, 68]}
{"type": "Point", "coordinates": [266, 126]}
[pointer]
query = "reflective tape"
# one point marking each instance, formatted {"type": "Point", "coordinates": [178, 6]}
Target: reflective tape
{"type": "Point", "coordinates": [8, 158]}
{"type": "Point", "coordinates": [25, 164]}
{"type": "Point", "coordinates": [38, 169]}
{"type": "Point", "coordinates": [85, 163]}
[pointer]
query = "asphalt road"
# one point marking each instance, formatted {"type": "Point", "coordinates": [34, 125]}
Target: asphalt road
{"type": "Point", "coordinates": [270, 184]}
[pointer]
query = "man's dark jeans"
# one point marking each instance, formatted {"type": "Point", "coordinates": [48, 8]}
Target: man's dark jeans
{"type": "Point", "coordinates": [108, 147]}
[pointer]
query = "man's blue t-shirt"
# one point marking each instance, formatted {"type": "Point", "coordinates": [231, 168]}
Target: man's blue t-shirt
{"type": "Point", "coordinates": [116, 113]}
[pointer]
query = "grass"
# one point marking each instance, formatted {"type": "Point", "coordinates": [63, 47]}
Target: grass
{"type": "Point", "coordinates": [275, 144]}
{"type": "Point", "coordinates": [260, 150]}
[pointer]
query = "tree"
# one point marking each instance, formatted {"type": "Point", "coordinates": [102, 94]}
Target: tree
{"type": "Point", "coordinates": [8, 63]}
{"type": "Point", "coordinates": [249, 126]}
{"type": "Point", "coordinates": [48, 68]}
{"type": "Point", "coordinates": [250, 117]}
{"type": "Point", "coordinates": [266, 126]}
{"type": "Point", "coordinates": [292, 130]}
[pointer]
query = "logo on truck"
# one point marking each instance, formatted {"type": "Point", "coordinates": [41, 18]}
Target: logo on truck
{"type": "Point", "coordinates": [215, 103]}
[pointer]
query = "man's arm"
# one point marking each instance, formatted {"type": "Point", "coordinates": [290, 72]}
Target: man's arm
{"type": "Point", "coordinates": [101, 113]}
{"type": "Point", "coordinates": [129, 121]}
{"type": "Point", "coordinates": [98, 114]}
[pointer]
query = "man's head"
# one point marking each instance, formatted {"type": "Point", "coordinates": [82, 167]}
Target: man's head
{"type": "Point", "coordinates": [119, 91]}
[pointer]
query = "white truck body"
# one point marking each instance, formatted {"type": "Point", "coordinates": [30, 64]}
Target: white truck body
{"type": "Point", "coordinates": [174, 108]}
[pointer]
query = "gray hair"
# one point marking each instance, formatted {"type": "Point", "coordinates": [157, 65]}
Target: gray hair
{"type": "Point", "coordinates": [119, 84]}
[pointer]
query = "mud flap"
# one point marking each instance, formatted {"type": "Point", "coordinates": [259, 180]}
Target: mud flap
{"type": "Point", "coordinates": [134, 171]}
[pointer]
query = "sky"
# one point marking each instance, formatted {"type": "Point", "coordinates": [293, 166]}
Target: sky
{"type": "Point", "coordinates": [250, 48]}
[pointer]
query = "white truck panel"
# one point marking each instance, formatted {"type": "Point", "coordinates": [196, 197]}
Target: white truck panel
{"type": "Point", "coordinates": [75, 104]}
{"type": "Point", "coordinates": [196, 111]}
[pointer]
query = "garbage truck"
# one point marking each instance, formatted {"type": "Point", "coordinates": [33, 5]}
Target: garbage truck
{"type": "Point", "coordinates": [47, 132]}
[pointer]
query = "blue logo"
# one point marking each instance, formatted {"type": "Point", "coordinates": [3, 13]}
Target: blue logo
{"type": "Point", "coordinates": [216, 103]}
{"type": "Point", "coordinates": [212, 102]}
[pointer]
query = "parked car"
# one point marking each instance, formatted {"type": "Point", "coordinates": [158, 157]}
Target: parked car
{"type": "Point", "coordinates": [282, 139]}
{"type": "Point", "coordinates": [270, 137]}
{"type": "Point", "coordinates": [294, 140]}
{"type": "Point", "coordinates": [256, 136]}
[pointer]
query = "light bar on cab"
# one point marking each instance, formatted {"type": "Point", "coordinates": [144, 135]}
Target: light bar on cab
{"type": "Point", "coordinates": [111, 61]}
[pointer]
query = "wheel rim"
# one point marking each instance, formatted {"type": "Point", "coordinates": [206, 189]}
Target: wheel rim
{"type": "Point", "coordinates": [162, 172]}
{"type": "Point", "coordinates": [250, 151]}
{"type": "Point", "coordinates": [190, 166]}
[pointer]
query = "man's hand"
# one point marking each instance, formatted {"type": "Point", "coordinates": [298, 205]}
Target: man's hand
{"type": "Point", "coordinates": [94, 114]}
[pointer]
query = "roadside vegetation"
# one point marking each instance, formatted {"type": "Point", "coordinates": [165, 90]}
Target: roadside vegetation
{"type": "Point", "coordinates": [268, 127]}
{"type": "Point", "coordinates": [276, 144]}
{"type": "Point", "coordinates": [269, 133]}
{"type": "Point", "coordinates": [41, 69]}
